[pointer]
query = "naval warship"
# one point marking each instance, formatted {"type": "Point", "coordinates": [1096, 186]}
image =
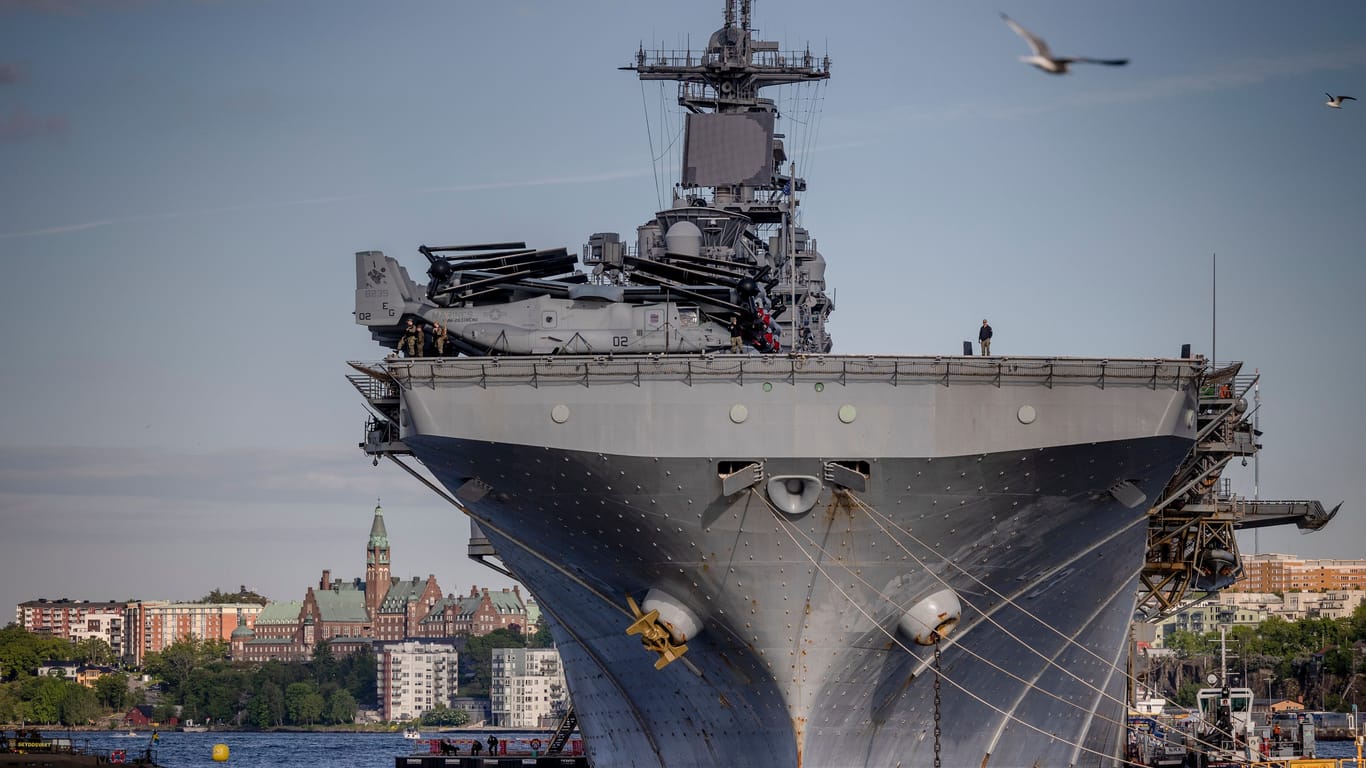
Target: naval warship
{"type": "Point", "coordinates": [753, 551]}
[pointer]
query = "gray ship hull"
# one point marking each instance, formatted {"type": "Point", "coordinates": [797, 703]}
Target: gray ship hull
{"type": "Point", "coordinates": [1021, 485]}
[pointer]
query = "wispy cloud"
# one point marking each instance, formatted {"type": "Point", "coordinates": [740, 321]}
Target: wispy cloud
{"type": "Point", "coordinates": [596, 178]}
{"type": "Point", "coordinates": [1230, 76]}
{"type": "Point", "coordinates": [77, 473]}
{"type": "Point", "coordinates": [1227, 76]}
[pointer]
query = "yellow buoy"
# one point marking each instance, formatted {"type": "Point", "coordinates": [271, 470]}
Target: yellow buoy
{"type": "Point", "coordinates": [220, 753]}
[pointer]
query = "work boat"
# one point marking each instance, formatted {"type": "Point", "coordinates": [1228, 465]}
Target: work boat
{"type": "Point", "coordinates": [752, 551]}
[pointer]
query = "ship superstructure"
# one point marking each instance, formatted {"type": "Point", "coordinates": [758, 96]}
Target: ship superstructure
{"type": "Point", "coordinates": [763, 554]}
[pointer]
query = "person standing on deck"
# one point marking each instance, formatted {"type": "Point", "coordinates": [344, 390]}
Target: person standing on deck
{"type": "Point", "coordinates": [984, 338]}
{"type": "Point", "coordinates": [439, 339]}
{"type": "Point", "coordinates": [412, 339]}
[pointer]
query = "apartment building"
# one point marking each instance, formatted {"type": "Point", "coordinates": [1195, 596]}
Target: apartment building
{"type": "Point", "coordinates": [159, 623]}
{"type": "Point", "coordinates": [414, 676]}
{"type": "Point", "coordinates": [77, 620]}
{"type": "Point", "coordinates": [527, 688]}
{"type": "Point", "coordinates": [1270, 572]}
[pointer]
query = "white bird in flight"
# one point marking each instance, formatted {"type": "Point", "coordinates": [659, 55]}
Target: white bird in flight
{"type": "Point", "coordinates": [1044, 58]}
{"type": "Point", "coordinates": [1336, 101]}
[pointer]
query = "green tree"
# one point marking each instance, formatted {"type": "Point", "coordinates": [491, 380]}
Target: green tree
{"type": "Point", "coordinates": [174, 663]}
{"type": "Point", "coordinates": [541, 637]}
{"type": "Point", "coordinates": [41, 698]}
{"type": "Point", "coordinates": [356, 673]}
{"type": "Point", "coordinates": [303, 703]}
{"type": "Point", "coordinates": [78, 705]}
{"type": "Point", "coordinates": [476, 663]}
{"type": "Point", "coordinates": [324, 663]}
{"type": "Point", "coordinates": [443, 716]}
{"type": "Point", "coordinates": [1185, 644]}
{"type": "Point", "coordinates": [111, 690]}
{"type": "Point", "coordinates": [93, 650]}
{"type": "Point", "coordinates": [267, 708]}
{"type": "Point", "coordinates": [1186, 694]}
{"type": "Point", "coordinates": [341, 707]}
{"type": "Point", "coordinates": [164, 712]}
{"type": "Point", "coordinates": [22, 651]}
{"type": "Point", "coordinates": [242, 595]}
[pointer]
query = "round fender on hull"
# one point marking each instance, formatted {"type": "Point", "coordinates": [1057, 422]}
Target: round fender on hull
{"type": "Point", "coordinates": [681, 622]}
{"type": "Point", "coordinates": [932, 618]}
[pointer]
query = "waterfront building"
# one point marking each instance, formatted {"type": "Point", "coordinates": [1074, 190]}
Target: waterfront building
{"type": "Point", "coordinates": [275, 634]}
{"type": "Point", "coordinates": [1271, 572]}
{"type": "Point", "coordinates": [527, 688]}
{"type": "Point", "coordinates": [157, 624]}
{"type": "Point", "coordinates": [476, 614]}
{"type": "Point", "coordinates": [77, 620]}
{"type": "Point", "coordinates": [347, 614]}
{"type": "Point", "coordinates": [1206, 617]}
{"type": "Point", "coordinates": [415, 676]}
{"type": "Point", "coordinates": [405, 604]}
{"type": "Point", "coordinates": [1333, 604]}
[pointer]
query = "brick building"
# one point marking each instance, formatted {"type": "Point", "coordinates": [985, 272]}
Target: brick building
{"type": "Point", "coordinates": [1277, 573]}
{"type": "Point", "coordinates": [158, 623]}
{"type": "Point", "coordinates": [77, 620]}
{"type": "Point", "coordinates": [476, 614]}
{"type": "Point", "coordinates": [348, 615]}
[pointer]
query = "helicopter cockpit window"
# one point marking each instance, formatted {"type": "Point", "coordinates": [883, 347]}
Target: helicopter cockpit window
{"type": "Point", "coordinates": [689, 317]}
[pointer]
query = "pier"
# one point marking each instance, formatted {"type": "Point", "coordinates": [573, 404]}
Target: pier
{"type": "Point", "coordinates": [502, 761]}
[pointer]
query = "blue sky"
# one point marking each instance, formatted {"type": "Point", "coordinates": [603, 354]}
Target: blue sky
{"type": "Point", "coordinates": [182, 185]}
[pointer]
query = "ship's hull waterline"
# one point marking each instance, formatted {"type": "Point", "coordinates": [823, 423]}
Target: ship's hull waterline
{"type": "Point", "coordinates": [1021, 485]}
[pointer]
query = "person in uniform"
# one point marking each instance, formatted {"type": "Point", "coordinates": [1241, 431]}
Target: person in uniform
{"type": "Point", "coordinates": [412, 339]}
{"type": "Point", "coordinates": [984, 338]}
{"type": "Point", "coordinates": [439, 339]}
{"type": "Point", "coordinates": [493, 745]}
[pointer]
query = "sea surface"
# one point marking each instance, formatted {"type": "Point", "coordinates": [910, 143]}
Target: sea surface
{"type": "Point", "coordinates": [329, 750]}
{"type": "Point", "coordinates": [257, 750]}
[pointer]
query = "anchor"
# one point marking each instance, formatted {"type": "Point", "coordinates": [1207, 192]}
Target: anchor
{"type": "Point", "coordinates": [654, 635]}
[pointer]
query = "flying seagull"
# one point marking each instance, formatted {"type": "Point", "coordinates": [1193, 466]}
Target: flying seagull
{"type": "Point", "coordinates": [1044, 58]}
{"type": "Point", "coordinates": [1336, 101]}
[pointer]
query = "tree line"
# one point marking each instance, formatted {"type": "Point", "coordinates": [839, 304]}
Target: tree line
{"type": "Point", "coordinates": [195, 679]}
{"type": "Point", "coordinates": [1319, 662]}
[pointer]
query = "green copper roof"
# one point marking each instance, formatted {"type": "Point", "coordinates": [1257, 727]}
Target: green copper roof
{"type": "Point", "coordinates": [286, 612]}
{"type": "Point", "coordinates": [346, 605]}
{"type": "Point", "coordinates": [379, 537]}
{"type": "Point", "coordinates": [400, 594]}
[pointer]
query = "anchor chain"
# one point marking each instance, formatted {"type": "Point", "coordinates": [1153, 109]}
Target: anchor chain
{"type": "Point", "coordinates": [936, 701]}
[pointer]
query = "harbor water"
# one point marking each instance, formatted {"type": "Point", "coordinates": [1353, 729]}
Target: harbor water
{"type": "Point", "coordinates": [257, 750]}
{"type": "Point", "coordinates": [334, 750]}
